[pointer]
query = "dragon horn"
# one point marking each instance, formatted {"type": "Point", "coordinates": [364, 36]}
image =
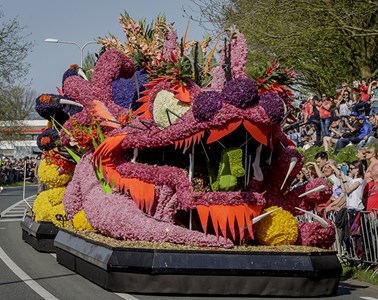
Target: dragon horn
{"type": "Point", "coordinates": [314, 190]}
{"type": "Point", "coordinates": [82, 74]}
{"type": "Point", "coordinates": [315, 217]}
{"type": "Point", "coordinates": [69, 102]}
{"type": "Point", "coordinates": [293, 162]}
{"type": "Point", "coordinates": [260, 217]}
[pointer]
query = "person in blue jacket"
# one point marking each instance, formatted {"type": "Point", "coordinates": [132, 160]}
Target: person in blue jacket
{"type": "Point", "coordinates": [359, 128]}
{"type": "Point", "coordinates": [364, 131]}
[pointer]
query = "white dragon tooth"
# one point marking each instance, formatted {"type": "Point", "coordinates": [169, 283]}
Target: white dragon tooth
{"type": "Point", "coordinates": [315, 217]}
{"type": "Point", "coordinates": [314, 190]}
{"type": "Point", "coordinates": [293, 162]}
{"type": "Point", "coordinates": [69, 102]}
{"type": "Point", "coordinates": [82, 74]}
{"type": "Point", "coordinates": [257, 172]}
{"type": "Point", "coordinates": [260, 217]}
{"type": "Point", "coordinates": [135, 155]}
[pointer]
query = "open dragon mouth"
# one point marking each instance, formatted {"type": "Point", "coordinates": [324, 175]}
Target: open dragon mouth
{"type": "Point", "coordinates": [210, 156]}
{"type": "Point", "coordinates": [209, 173]}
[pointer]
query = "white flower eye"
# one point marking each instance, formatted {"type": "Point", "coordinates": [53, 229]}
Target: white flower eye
{"type": "Point", "coordinates": [166, 100]}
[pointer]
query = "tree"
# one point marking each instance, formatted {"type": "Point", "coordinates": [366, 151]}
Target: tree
{"type": "Point", "coordinates": [14, 49]}
{"type": "Point", "coordinates": [89, 64]}
{"type": "Point", "coordinates": [326, 42]}
{"type": "Point", "coordinates": [16, 98]}
{"type": "Point", "coordinates": [16, 104]}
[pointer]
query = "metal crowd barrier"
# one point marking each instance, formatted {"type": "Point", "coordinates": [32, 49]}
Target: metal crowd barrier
{"type": "Point", "coordinates": [361, 245]}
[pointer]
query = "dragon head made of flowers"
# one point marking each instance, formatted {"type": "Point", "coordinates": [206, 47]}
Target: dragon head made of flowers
{"type": "Point", "coordinates": [189, 159]}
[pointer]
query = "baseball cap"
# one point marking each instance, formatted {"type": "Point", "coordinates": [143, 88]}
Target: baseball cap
{"type": "Point", "coordinates": [353, 113]}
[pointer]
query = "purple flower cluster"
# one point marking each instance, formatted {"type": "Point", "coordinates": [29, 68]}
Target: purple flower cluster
{"type": "Point", "coordinates": [240, 92]}
{"type": "Point", "coordinates": [170, 45]}
{"type": "Point", "coordinates": [313, 234]}
{"type": "Point", "coordinates": [206, 105]}
{"type": "Point", "coordinates": [273, 106]}
{"type": "Point", "coordinates": [73, 197]}
{"type": "Point", "coordinates": [218, 78]}
{"type": "Point", "coordinates": [110, 66]}
{"type": "Point", "coordinates": [173, 177]}
{"type": "Point", "coordinates": [125, 92]}
{"type": "Point", "coordinates": [117, 216]}
{"type": "Point", "coordinates": [239, 51]}
{"type": "Point", "coordinates": [71, 110]}
{"type": "Point", "coordinates": [50, 108]}
{"type": "Point", "coordinates": [318, 197]}
{"type": "Point", "coordinates": [227, 198]}
{"type": "Point", "coordinates": [166, 206]}
{"type": "Point", "coordinates": [48, 139]}
{"type": "Point", "coordinates": [72, 71]}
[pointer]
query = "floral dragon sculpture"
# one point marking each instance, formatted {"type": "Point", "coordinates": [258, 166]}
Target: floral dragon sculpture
{"type": "Point", "coordinates": [200, 160]}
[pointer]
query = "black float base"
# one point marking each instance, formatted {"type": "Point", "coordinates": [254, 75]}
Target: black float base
{"type": "Point", "coordinates": [39, 235]}
{"type": "Point", "coordinates": [200, 272]}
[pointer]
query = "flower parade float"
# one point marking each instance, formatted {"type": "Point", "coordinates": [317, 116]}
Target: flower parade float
{"type": "Point", "coordinates": [186, 179]}
{"type": "Point", "coordinates": [40, 224]}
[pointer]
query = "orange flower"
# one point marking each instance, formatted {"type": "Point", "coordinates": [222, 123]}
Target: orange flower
{"type": "Point", "coordinates": [123, 119]}
{"type": "Point", "coordinates": [45, 140]}
{"type": "Point", "coordinates": [45, 98]}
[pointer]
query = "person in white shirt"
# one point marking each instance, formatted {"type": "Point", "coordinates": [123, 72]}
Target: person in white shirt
{"type": "Point", "coordinates": [353, 186]}
{"type": "Point", "coordinates": [337, 199]}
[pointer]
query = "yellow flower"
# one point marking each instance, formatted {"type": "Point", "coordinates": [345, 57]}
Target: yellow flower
{"type": "Point", "coordinates": [58, 210]}
{"type": "Point", "coordinates": [80, 222]}
{"type": "Point", "coordinates": [42, 207]}
{"type": "Point", "coordinates": [49, 175]}
{"type": "Point", "coordinates": [48, 204]}
{"type": "Point", "coordinates": [279, 228]}
{"type": "Point", "coordinates": [55, 195]}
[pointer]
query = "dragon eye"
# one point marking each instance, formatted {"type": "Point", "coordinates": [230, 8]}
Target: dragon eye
{"type": "Point", "coordinates": [167, 109]}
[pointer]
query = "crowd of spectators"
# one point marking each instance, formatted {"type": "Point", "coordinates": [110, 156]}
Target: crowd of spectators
{"type": "Point", "coordinates": [349, 119]}
{"type": "Point", "coordinates": [12, 170]}
{"type": "Point", "coordinates": [354, 187]}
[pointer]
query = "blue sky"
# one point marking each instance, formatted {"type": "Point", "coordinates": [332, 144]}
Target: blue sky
{"type": "Point", "coordinates": [82, 21]}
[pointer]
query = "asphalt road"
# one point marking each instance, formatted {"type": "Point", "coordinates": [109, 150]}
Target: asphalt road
{"type": "Point", "coordinates": [29, 274]}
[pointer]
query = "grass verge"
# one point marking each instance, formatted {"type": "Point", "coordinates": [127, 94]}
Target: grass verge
{"type": "Point", "coordinates": [354, 272]}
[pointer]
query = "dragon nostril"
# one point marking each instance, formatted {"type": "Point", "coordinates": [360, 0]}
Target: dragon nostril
{"type": "Point", "coordinates": [241, 92]}
{"type": "Point", "coordinates": [206, 105]}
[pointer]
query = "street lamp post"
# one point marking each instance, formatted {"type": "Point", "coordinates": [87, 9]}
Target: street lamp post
{"type": "Point", "coordinates": [50, 40]}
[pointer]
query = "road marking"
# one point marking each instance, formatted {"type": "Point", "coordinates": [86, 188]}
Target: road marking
{"type": "Point", "coordinates": [25, 277]}
{"type": "Point", "coordinates": [17, 209]}
{"type": "Point", "coordinates": [369, 298]}
{"type": "Point", "coordinates": [126, 296]}
{"type": "Point", "coordinates": [10, 220]}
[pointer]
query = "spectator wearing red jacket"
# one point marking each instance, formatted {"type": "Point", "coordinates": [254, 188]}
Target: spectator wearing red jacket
{"type": "Point", "coordinates": [363, 101]}
{"type": "Point", "coordinates": [325, 115]}
{"type": "Point", "coordinates": [372, 189]}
